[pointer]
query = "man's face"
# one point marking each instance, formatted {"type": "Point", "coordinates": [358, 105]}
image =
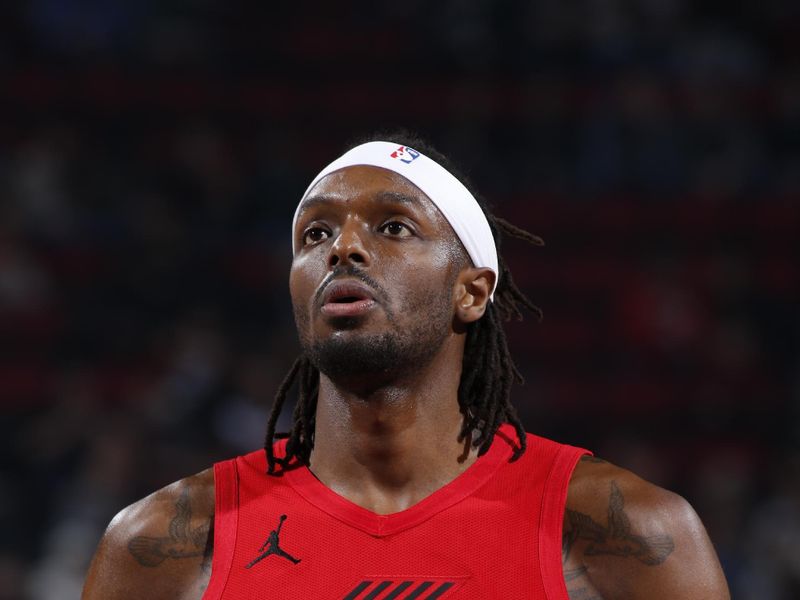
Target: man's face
{"type": "Point", "coordinates": [373, 276]}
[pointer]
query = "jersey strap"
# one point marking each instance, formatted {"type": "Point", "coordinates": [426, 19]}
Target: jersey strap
{"type": "Point", "coordinates": [226, 520]}
{"type": "Point", "coordinates": [551, 522]}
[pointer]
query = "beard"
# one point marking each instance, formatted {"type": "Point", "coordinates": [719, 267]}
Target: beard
{"type": "Point", "coordinates": [371, 360]}
{"type": "Point", "coordinates": [377, 357]}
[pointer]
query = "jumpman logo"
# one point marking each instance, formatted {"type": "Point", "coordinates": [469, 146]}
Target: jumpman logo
{"type": "Point", "coordinates": [272, 546]}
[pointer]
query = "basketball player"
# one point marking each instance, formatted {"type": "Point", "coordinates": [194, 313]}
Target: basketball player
{"type": "Point", "coordinates": [407, 473]}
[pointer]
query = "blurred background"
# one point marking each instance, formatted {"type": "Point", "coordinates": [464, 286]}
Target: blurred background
{"type": "Point", "coordinates": [152, 154]}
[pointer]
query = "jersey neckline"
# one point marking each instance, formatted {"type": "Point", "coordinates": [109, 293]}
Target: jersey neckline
{"type": "Point", "coordinates": [479, 472]}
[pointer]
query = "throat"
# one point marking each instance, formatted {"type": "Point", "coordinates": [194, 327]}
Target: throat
{"type": "Point", "coordinates": [387, 454]}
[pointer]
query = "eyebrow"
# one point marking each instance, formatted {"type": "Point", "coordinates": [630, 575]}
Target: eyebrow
{"type": "Point", "coordinates": [384, 197]}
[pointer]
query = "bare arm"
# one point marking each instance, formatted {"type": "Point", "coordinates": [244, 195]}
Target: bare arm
{"type": "Point", "coordinates": [159, 547]}
{"type": "Point", "coordinates": [626, 539]}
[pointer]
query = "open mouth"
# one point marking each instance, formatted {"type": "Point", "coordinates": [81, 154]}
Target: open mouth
{"type": "Point", "coordinates": [347, 298]}
{"type": "Point", "coordinates": [348, 307]}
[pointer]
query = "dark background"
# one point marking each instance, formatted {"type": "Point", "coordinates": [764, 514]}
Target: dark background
{"type": "Point", "coordinates": [152, 154]}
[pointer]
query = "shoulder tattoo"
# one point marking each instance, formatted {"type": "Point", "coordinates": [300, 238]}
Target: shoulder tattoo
{"type": "Point", "coordinates": [180, 541]}
{"type": "Point", "coordinates": [614, 539]}
{"type": "Point", "coordinates": [617, 538]}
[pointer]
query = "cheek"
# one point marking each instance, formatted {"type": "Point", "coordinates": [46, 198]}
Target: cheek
{"type": "Point", "coordinates": [425, 281]}
{"type": "Point", "coordinates": [299, 295]}
{"type": "Point", "coordinates": [301, 284]}
{"type": "Point", "coordinates": [445, 264]}
{"type": "Point", "coordinates": [295, 283]}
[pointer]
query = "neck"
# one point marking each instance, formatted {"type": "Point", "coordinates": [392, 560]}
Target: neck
{"type": "Point", "coordinates": [391, 446]}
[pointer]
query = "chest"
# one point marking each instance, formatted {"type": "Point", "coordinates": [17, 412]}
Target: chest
{"type": "Point", "coordinates": [492, 533]}
{"type": "Point", "coordinates": [480, 547]}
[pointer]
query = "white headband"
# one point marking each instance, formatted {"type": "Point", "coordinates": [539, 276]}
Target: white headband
{"type": "Point", "coordinates": [449, 195]}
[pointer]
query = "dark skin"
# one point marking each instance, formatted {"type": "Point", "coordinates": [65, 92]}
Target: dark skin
{"type": "Point", "coordinates": [389, 440]}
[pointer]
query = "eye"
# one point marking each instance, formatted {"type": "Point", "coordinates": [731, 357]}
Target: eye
{"type": "Point", "coordinates": [314, 235]}
{"type": "Point", "coordinates": [395, 229]}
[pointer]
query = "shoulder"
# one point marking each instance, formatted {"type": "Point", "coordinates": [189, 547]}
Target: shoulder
{"type": "Point", "coordinates": [627, 538]}
{"type": "Point", "coordinates": [158, 547]}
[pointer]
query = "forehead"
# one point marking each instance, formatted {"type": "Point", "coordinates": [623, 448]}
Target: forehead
{"type": "Point", "coordinates": [366, 186]}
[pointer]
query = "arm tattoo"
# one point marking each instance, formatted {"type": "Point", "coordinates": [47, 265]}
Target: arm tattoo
{"type": "Point", "coordinates": [617, 539]}
{"type": "Point", "coordinates": [208, 551]}
{"type": "Point", "coordinates": [577, 578]}
{"type": "Point", "coordinates": [573, 574]}
{"type": "Point", "coordinates": [181, 540]}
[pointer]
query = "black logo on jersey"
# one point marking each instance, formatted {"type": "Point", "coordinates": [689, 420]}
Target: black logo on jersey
{"type": "Point", "coordinates": [419, 588]}
{"type": "Point", "coordinates": [272, 546]}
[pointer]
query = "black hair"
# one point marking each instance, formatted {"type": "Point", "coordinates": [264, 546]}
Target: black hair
{"type": "Point", "coordinates": [488, 371]}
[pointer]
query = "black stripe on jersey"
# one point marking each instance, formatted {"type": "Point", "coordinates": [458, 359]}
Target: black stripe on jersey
{"type": "Point", "coordinates": [440, 590]}
{"type": "Point", "coordinates": [358, 589]}
{"type": "Point", "coordinates": [417, 592]}
{"type": "Point", "coordinates": [399, 590]}
{"type": "Point", "coordinates": [378, 589]}
{"type": "Point", "coordinates": [419, 589]}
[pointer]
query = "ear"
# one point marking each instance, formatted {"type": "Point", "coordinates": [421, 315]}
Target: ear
{"type": "Point", "coordinates": [473, 288]}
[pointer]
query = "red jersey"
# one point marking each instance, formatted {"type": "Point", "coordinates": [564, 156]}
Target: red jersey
{"type": "Point", "coordinates": [494, 532]}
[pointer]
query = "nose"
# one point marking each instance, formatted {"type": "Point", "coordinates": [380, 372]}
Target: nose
{"type": "Point", "coordinates": [349, 247]}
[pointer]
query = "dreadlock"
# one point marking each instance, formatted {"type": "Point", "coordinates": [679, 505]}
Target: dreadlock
{"type": "Point", "coordinates": [488, 371]}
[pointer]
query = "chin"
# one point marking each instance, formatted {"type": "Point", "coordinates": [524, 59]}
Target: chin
{"type": "Point", "coordinates": [345, 323]}
{"type": "Point", "coordinates": [348, 355]}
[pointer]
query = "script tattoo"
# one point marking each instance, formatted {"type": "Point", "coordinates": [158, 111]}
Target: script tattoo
{"type": "Point", "coordinates": [181, 540]}
{"type": "Point", "coordinates": [577, 580]}
{"type": "Point", "coordinates": [582, 594]}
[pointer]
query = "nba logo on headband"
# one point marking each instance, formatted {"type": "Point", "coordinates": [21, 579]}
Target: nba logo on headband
{"type": "Point", "coordinates": [405, 154]}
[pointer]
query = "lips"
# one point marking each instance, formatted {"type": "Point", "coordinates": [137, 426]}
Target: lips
{"type": "Point", "coordinates": [347, 298]}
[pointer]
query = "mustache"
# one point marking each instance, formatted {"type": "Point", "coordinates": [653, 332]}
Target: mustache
{"type": "Point", "coordinates": [341, 271]}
